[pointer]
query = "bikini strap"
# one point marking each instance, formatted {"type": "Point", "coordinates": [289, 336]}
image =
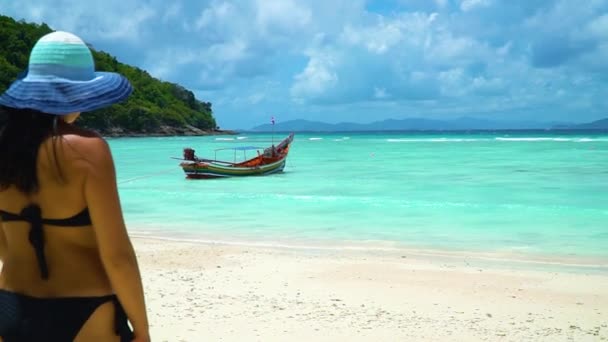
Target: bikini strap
{"type": "Point", "coordinates": [33, 215]}
{"type": "Point", "coordinates": [121, 325]}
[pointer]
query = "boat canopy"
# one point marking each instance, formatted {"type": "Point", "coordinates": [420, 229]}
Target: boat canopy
{"type": "Point", "coordinates": [241, 148]}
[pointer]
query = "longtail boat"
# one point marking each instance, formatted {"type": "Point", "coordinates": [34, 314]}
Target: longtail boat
{"type": "Point", "coordinates": [271, 160]}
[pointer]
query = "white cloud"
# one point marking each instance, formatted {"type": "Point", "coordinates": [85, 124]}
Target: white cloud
{"type": "Point", "coordinates": [446, 49]}
{"type": "Point", "coordinates": [380, 93]}
{"type": "Point", "coordinates": [173, 11]}
{"type": "Point", "coordinates": [452, 82]}
{"type": "Point", "coordinates": [318, 76]}
{"type": "Point", "coordinates": [375, 39]}
{"type": "Point", "coordinates": [595, 60]}
{"type": "Point", "coordinates": [256, 98]}
{"type": "Point", "coordinates": [128, 27]}
{"type": "Point", "coordinates": [36, 13]}
{"type": "Point", "coordinates": [441, 3]}
{"type": "Point", "coordinates": [386, 34]}
{"type": "Point", "coordinates": [563, 16]}
{"type": "Point", "coordinates": [482, 85]}
{"type": "Point", "coordinates": [218, 12]}
{"type": "Point", "coordinates": [107, 20]}
{"type": "Point", "coordinates": [598, 27]}
{"type": "Point", "coordinates": [281, 15]}
{"type": "Point", "coordinates": [418, 76]}
{"type": "Point", "coordinates": [469, 5]}
{"type": "Point", "coordinates": [228, 51]}
{"type": "Point", "coordinates": [505, 49]}
{"type": "Point", "coordinates": [165, 64]}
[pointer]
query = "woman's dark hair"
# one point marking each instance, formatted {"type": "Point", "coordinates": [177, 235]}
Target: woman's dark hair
{"type": "Point", "coordinates": [22, 131]}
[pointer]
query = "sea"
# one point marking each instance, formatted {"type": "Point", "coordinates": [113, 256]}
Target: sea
{"type": "Point", "coordinates": [537, 195]}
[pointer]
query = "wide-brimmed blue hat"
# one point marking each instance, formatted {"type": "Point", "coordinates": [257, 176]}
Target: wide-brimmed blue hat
{"type": "Point", "coordinates": [61, 79]}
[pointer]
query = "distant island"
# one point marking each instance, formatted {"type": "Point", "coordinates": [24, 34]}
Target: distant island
{"type": "Point", "coordinates": [420, 124]}
{"type": "Point", "coordinates": [598, 124]}
{"type": "Point", "coordinates": [154, 108]}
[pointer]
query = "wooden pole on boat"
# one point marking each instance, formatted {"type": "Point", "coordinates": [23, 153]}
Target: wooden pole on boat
{"type": "Point", "coordinates": [272, 121]}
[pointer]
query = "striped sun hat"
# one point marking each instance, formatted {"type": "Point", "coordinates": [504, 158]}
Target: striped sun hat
{"type": "Point", "coordinates": [61, 79]}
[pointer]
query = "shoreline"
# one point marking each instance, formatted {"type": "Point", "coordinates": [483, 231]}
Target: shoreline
{"type": "Point", "coordinates": [390, 248]}
{"type": "Point", "coordinates": [170, 133]}
{"type": "Point", "coordinates": [233, 293]}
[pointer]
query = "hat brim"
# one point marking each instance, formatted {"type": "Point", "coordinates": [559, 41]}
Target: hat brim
{"type": "Point", "coordinates": [65, 97]}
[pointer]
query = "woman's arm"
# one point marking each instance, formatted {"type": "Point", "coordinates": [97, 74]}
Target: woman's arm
{"type": "Point", "coordinates": [115, 249]}
{"type": "Point", "coordinates": [3, 245]}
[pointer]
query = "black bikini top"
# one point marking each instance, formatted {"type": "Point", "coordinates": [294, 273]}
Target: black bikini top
{"type": "Point", "coordinates": [33, 215]}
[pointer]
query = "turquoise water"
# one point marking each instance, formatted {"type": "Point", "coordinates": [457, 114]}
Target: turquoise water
{"type": "Point", "coordinates": [537, 193]}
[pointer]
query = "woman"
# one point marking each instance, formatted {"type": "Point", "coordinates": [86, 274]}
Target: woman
{"type": "Point", "coordinates": [69, 272]}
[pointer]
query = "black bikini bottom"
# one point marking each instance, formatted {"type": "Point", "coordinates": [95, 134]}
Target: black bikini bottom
{"type": "Point", "coordinates": [28, 319]}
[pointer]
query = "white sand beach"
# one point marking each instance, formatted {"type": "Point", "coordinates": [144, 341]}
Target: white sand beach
{"type": "Point", "coordinates": [216, 292]}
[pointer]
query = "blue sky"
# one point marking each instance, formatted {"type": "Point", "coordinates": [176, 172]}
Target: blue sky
{"type": "Point", "coordinates": [355, 60]}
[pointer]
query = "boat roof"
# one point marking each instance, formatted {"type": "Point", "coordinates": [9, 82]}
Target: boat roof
{"type": "Point", "coordinates": [241, 148]}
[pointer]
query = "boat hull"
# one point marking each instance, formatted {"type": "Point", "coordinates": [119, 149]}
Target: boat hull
{"type": "Point", "coordinates": [211, 170]}
{"type": "Point", "coordinates": [271, 160]}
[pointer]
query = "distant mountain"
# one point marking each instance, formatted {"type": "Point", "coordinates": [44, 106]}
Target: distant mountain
{"type": "Point", "coordinates": [464, 123]}
{"type": "Point", "coordinates": [598, 124]}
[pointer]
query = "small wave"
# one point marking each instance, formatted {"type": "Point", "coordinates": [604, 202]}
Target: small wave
{"type": "Point", "coordinates": [314, 139]}
{"type": "Point", "coordinates": [534, 139]}
{"type": "Point", "coordinates": [315, 198]}
{"type": "Point", "coordinates": [526, 139]}
{"type": "Point", "coordinates": [341, 139]}
{"type": "Point", "coordinates": [436, 140]}
{"type": "Point", "coordinates": [590, 140]}
{"type": "Point", "coordinates": [224, 139]}
{"type": "Point", "coordinates": [241, 138]}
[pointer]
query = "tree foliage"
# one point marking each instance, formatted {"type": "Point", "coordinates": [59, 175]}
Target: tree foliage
{"type": "Point", "coordinates": [153, 105]}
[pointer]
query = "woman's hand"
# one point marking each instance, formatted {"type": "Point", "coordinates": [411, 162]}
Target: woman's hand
{"type": "Point", "coordinates": [141, 338]}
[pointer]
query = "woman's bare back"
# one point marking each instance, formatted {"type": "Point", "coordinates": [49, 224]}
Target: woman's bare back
{"type": "Point", "coordinates": [71, 253]}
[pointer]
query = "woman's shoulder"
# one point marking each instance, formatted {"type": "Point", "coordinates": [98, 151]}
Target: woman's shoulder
{"type": "Point", "coordinates": [87, 144]}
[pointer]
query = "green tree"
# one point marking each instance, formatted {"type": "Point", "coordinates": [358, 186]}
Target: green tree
{"type": "Point", "coordinates": [152, 105]}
